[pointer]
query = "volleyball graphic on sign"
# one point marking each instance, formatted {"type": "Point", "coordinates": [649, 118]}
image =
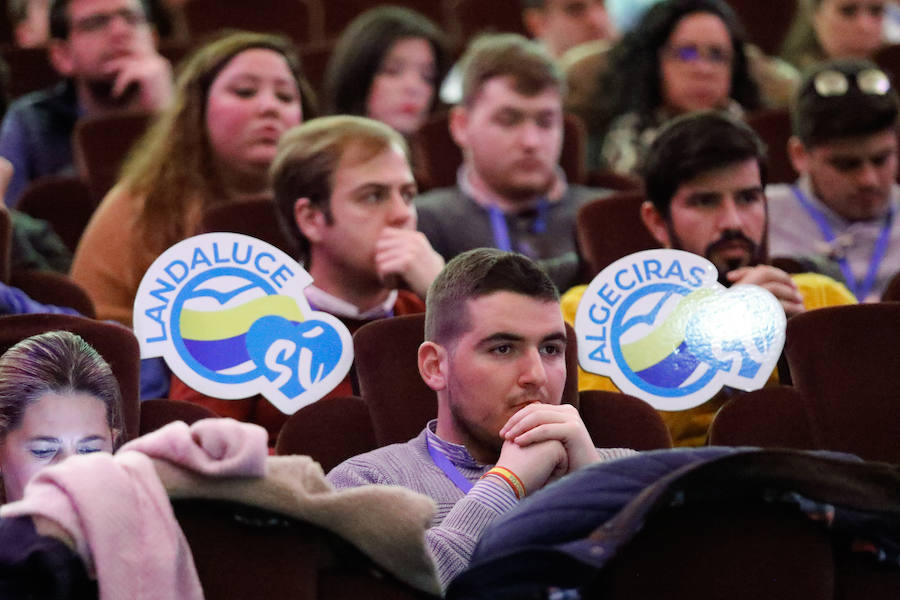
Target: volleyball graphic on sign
{"type": "Point", "coordinates": [651, 345]}
{"type": "Point", "coordinates": [213, 314]}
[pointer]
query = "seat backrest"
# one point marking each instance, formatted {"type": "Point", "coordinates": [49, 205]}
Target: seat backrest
{"type": "Point", "coordinates": [844, 360]}
{"type": "Point", "coordinates": [723, 551]}
{"type": "Point", "coordinates": [101, 143]}
{"type": "Point", "coordinates": [611, 180]}
{"type": "Point", "coordinates": [50, 287]}
{"type": "Point", "coordinates": [609, 228]}
{"type": "Point", "coordinates": [766, 23]}
{"type": "Point", "coordinates": [386, 362]}
{"type": "Point", "coordinates": [29, 70]}
{"type": "Point", "coordinates": [330, 431]}
{"type": "Point", "coordinates": [617, 420]}
{"type": "Point", "coordinates": [64, 201]}
{"type": "Point", "coordinates": [771, 417]}
{"type": "Point", "coordinates": [255, 217]}
{"type": "Point", "coordinates": [399, 401]}
{"type": "Point", "coordinates": [441, 157]}
{"type": "Point", "coordinates": [115, 343]}
{"type": "Point", "coordinates": [300, 20]}
{"type": "Point", "coordinates": [339, 14]}
{"type": "Point", "coordinates": [158, 412]}
{"type": "Point", "coordinates": [892, 291]}
{"type": "Point", "coordinates": [244, 553]}
{"type": "Point", "coordinates": [773, 126]}
{"type": "Point", "coordinates": [471, 17]}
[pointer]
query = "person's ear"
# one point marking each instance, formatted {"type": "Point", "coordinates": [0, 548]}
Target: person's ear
{"type": "Point", "coordinates": [459, 122]}
{"type": "Point", "coordinates": [433, 365]}
{"type": "Point", "coordinates": [655, 223]}
{"type": "Point", "coordinates": [798, 154]}
{"type": "Point", "coordinates": [60, 57]}
{"type": "Point", "coordinates": [310, 220]}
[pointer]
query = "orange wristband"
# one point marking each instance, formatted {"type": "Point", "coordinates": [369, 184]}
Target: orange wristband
{"type": "Point", "coordinates": [510, 478]}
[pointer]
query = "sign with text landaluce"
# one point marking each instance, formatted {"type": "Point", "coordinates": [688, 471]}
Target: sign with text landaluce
{"type": "Point", "coordinates": [660, 325]}
{"type": "Point", "coordinates": [227, 313]}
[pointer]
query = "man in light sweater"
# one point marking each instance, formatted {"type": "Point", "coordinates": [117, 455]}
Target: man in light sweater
{"type": "Point", "coordinates": [495, 355]}
{"type": "Point", "coordinates": [840, 215]}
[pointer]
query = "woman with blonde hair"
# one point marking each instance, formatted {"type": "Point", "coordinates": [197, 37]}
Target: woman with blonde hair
{"type": "Point", "coordinates": [233, 99]}
{"type": "Point", "coordinates": [825, 29]}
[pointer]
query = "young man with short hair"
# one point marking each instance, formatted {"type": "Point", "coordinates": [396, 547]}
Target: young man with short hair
{"type": "Point", "coordinates": [494, 353]}
{"type": "Point", "coordinates": [343, 189]}
{"type": "Point", "coordinates": [704, 178]}
{"type": "Point", "coordinates": [841, 214]}
{"type": "Point", "coordinates": [510, 192]}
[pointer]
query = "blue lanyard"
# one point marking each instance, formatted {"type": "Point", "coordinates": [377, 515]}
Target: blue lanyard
{"type": "Point", "coordinates": [444, 464]}
{"type": "Point", "coordinates": [501, 231]}
{"type": "Point", "coordinates": [860, 289]}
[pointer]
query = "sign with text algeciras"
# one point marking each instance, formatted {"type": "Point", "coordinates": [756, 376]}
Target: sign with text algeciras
{"type": "Point", "coordinates": [660, 325]}
{"type": "Point", "coordinates": [227, 313]}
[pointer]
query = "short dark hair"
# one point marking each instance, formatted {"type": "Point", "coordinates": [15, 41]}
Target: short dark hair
{"type": "Point", "coordinates": [308, 156]}
{"type": "Point", "coordinates": [817, 119]}
{"type": "Point", "coordinates": [474, 274]}
{"type": "Point", "coordinates": [530, 66]}
{"type": "Point", "coordinates": [59, 17]}
{"type": "Point", "coordinates": [633, 80]}
{"type": "Point", "coordinates": [694, 144]}
{"type": "Point", "coordinates": [362, 47]}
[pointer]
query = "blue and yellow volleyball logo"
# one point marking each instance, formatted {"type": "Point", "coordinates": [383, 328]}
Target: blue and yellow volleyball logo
{"type": "Point", "coordinates": [662, 328]}
{"type": "Point", "coordinates": [228, 314]}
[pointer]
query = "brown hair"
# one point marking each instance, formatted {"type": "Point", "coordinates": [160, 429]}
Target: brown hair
{"type": "Point", "coordinates": [55, 362]}
{"type": "Point", "coordinates": [529, 65]}
{"type": "Point", "coordinates": [363, 46]}
{"type": "Point", "coordinates": [474, 274]}
{"type": "Point", "coordinates": [309, 154]}
{"type": "Point", "coordinates": [171, 167]}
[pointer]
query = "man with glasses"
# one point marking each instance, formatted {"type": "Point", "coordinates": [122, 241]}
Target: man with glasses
{"type": "Point", "coordinates": [106, 50]}
{"type": "Point", "coordinates": [840, 216]}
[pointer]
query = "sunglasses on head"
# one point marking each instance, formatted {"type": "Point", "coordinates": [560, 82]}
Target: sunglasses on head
{"type": "Point", "coordinates": [830, 83]}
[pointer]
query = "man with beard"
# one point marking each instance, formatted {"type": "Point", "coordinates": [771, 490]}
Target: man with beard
{"type": "Point", "coordinates": [841, 214]}
{"type": "Point", "coordinates": [106, 51]}
{"type": "Point", "coordinates": [510, 192]}
{"type": "Point", "coordinates": [494, 353]}
{"type": "Point", "coordinates": [704, 178]}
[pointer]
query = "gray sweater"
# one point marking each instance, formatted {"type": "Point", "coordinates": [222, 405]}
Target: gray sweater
{"type": "Point", "coordinates": [460, 518]}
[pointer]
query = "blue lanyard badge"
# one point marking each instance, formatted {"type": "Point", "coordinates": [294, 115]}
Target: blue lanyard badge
{"type": "Point", "coordinates": [501, 230]}
{"type": "Point", "coordinates": [860, 288]}
{"type": "Point", "coordinates": [444, 464]}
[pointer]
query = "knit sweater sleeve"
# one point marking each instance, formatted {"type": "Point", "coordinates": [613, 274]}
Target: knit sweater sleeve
{"type": "Point", "coordinates": [453, 541]}
{"type": "Point", "coordinates": [456, 531]}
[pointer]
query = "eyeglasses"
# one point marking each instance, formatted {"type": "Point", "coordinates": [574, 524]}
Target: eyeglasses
{"type": "Point", "coordinates": [100, 21]}
{"type": "Point", "coordinates": [830, 83]}
{"type": "Point", "coordinates": [691, 53]}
